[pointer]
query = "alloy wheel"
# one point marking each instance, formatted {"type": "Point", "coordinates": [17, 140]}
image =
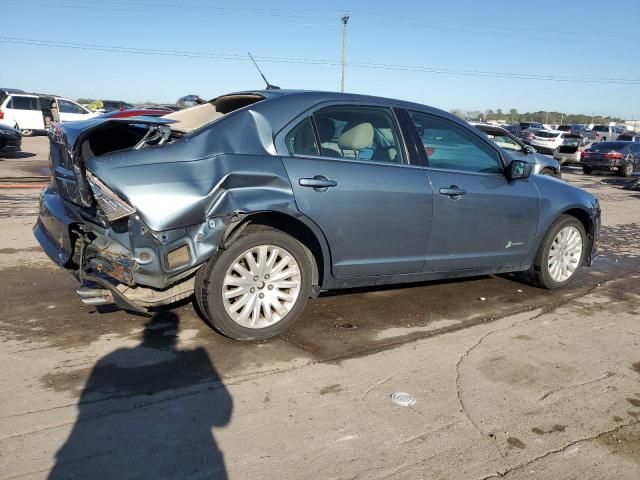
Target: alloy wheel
{"type": "Point", "coordinates": [565, 254]}
{"type": "Point", "coordinates": [261, 286]}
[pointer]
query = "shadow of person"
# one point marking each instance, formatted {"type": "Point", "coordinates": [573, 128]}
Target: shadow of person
{"type": "Point", "coordinates": [147, 412]}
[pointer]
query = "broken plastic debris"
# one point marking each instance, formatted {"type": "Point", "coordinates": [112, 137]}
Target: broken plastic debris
{"type": "Point", "coordinates": [403, 399]}
{"type": "Point", "coordinates": [519, 291]}
{"type": "Point", "coordinates": [482, 299]}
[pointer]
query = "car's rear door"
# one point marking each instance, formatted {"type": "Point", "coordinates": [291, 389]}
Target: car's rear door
{"type": "Point", "coordinates": [350, 173]}
{"type": "Point", "coordinates": [480, 219]}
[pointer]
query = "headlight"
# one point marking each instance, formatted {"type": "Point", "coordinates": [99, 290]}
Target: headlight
{"type": "Point", "coordinates": [111, 205]}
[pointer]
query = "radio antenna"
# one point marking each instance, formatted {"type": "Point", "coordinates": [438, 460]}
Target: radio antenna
{"type": "Point", "coordinates": [269, 86]}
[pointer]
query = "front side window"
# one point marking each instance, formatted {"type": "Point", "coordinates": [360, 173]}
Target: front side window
{"type": "Point", "coordinates": [450, 146]}
{"type": "Point", "coordinates": [359, 133]}
{"type": "Point", "coordinates": [69, 107]}
{"type": "Point", "coordinates": [301, 140]}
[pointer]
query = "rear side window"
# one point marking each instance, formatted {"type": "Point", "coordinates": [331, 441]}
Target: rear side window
{"type": "Point", "coordinates": [301, 140]}
{"type": "Point", "coordinates": [600, 128]}
{"type": "Point", "coordinates": [451, 146]}
{"type": "Point", "coordinates": [23, 103]}
{"type": "Point", "coordinates": [359, 133]}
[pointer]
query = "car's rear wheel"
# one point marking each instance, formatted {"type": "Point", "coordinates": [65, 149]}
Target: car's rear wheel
{"type": "Point", "coordinates": [587, 170]}
{"type": "Point", "coordinates": [627, 168]}
{"type": "Point", "coordinates": [561, 253]}
{"type": "Point", "coordinates": [26, 132]}
{"type": "Point", "coordinates": [257, 287]}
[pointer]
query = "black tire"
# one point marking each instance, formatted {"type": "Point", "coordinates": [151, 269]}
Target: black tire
{"type": "Point", "coordinates": [587, 170]}
{"type": "Point", "coordinates": [547, 171]}
{"type": "Point", "coordinates": [540, 269]}
{"type": "Point", "coordinates": [627, 169]}
{"type": "Point", "coordinates": [210, 283]}
{"type": "Point", "coordinates": [26, 133]}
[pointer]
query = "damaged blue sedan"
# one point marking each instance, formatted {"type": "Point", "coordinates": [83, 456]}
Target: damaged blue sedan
{"type": "Point", "coordinates": [255, 201]}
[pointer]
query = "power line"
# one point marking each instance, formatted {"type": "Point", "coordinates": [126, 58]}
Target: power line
{"type": "Point", "coordinates": [415, 22]}
{"type": "Point", "coordinates": [320, 62]}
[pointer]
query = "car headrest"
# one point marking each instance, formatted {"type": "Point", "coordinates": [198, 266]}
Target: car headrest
{"type": "Point", "coordinates": [358, 137]}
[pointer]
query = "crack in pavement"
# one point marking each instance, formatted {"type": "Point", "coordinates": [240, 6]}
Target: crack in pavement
{"type": "Point", "coordinates": [557, 450]}
{"type": "Point", "coordinates": [478, 342]}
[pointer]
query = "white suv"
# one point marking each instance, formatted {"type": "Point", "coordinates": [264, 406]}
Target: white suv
{"type": "Point", "coordinates": [31, 113]}
{"type": "Point", "coordinates": [606, 132]}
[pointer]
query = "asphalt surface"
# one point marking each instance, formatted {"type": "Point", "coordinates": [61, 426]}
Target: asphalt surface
{"type": "Point", "coordinates": [509, 379]}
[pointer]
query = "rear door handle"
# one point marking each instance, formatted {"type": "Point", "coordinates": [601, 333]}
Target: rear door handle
{"type": "Point", "coordinates": [319, 183]}
{"type": "Point", "coordinates": [452, 191]}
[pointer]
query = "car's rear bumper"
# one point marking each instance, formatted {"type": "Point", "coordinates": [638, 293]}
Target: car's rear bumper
{"type": "Point", "coordinates": [601, 164]}
{"type": "Point", "coordinates": [567, 157]}
{"type": "Point", "coordinates": [128, 253]}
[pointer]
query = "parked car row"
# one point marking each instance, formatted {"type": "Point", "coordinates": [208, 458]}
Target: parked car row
{"type": "Point", "coordinates": [32, 113]}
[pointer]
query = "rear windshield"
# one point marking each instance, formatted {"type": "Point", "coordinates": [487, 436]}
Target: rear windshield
{"type": "Point", "coordinates": [608, 146]}
{"type": "Point", "coordinates": [601, 128]}
{"type": "Point", "coordinates": [544, 134]}
{"type": "Point", "coordinates": [565, 128]}
{"type": "Point", "coordinates": [624, 136]}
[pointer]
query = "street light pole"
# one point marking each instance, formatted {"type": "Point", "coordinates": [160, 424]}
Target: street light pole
{"type": "Point", "coordinates": [344, 20]}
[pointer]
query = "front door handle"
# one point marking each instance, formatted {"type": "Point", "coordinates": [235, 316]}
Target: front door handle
{"type": "Point", "coordinates": [318, 183]}
{"type": "Point", "coordinates": [452, 191]}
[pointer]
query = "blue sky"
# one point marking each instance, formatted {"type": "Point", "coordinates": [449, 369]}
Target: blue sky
{"type": "Point", "coordinates": [587, 39]}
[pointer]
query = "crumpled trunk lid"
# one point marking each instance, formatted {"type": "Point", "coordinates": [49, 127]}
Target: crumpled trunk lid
{"type": "Point", "coordinates": [69, 149]}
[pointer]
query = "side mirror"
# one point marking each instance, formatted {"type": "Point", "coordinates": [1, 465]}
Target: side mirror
{"type": "Point", "coordinates": [518, 170]}
{"type": "Point", "coordinates": [530, 149]}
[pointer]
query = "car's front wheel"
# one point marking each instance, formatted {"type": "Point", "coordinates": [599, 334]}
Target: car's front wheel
{"type": "Point", "coordinates": [257, 287]}
{"type": "Point", "coordinates": [561, 253]}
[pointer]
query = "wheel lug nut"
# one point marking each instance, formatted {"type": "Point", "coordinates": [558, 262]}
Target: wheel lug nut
{"type": "Point", "coordinates": [252, 290]}
{"type": "Point", "coordinates": [261, 295]}
{"type": "Point", "coordinates": [270, 287]}
{"type": "Point", "coordinates": [256, 278]}
{"type": "Point", "coordinates": [266, 277]}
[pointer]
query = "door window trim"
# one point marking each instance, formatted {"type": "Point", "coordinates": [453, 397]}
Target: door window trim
{"type": "Point", "coordinates": [282, 150]}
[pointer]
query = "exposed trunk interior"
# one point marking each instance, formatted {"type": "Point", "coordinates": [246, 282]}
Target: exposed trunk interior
{"type": "Point", "coordinates": [195, 117]}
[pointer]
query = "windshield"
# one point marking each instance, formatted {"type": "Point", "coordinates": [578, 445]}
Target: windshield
{"type": "Point", "coordinates": [543, 134]}
{"type": "Point", "coordinates": [565, 128]}
{"type": "Point", "coordinates": [504, 141]}
{"type": "Point", "coordinates": [601, 128]}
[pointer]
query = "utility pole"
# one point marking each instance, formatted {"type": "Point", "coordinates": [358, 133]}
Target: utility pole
{"type": "Point", "coordinates": [344, 20]}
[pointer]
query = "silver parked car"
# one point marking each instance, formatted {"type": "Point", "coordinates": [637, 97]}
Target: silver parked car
{"type": "Point", "coordinates": [516, 149]}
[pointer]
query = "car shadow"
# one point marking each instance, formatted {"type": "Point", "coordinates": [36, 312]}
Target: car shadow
{"type": "Point", "coordinates": [148, 411]}
{"type": "Point", "coordinates": [16, 155]}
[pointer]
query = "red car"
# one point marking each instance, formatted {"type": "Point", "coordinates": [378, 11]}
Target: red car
{"type": "Point", "coordinates": [136, 112]}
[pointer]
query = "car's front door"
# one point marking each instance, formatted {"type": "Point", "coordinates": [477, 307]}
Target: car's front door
{"type": "Point", "coordinates": [350, 175]}
{"type": "Point", "coordinates": [480, 218]}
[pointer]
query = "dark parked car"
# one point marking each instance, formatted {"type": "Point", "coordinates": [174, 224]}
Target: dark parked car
{"type": "Point", "coordinates": [621, 157]}
{"type": "Point", "coordinates": [256, 201]}
{"type": "Point", "coordinates": [10, 139]}
{"type": "Point", "coordinates": [112, 105]}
